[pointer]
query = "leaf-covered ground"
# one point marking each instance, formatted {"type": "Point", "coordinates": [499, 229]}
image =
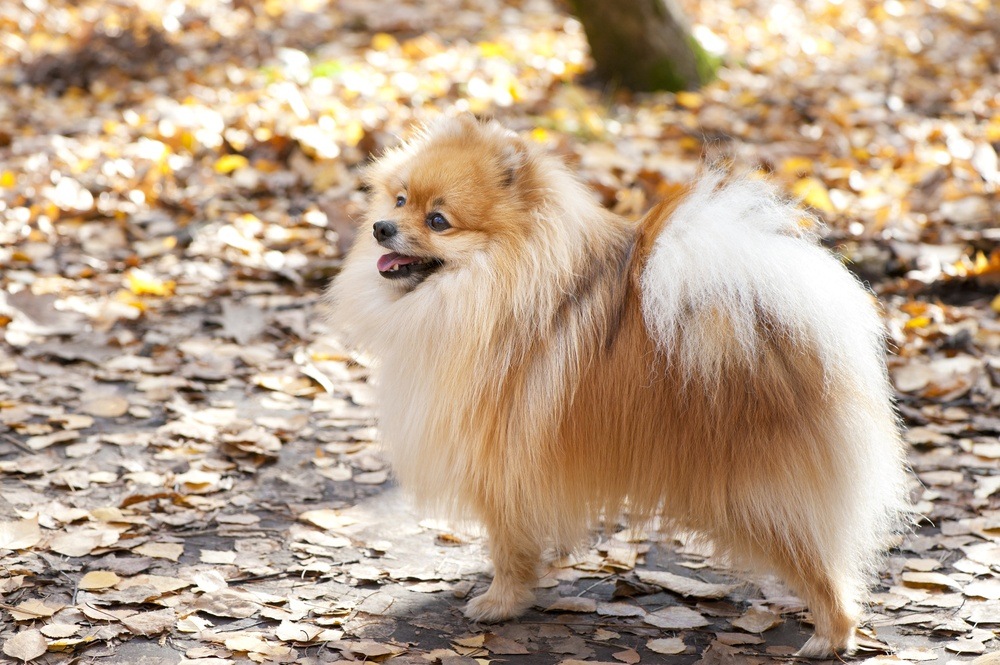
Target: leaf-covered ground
{"type": "Point", "coordinates": [187, 473]}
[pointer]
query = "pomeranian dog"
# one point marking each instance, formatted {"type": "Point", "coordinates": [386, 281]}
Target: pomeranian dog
{"type": "Point", "coordinates": [543, 362]}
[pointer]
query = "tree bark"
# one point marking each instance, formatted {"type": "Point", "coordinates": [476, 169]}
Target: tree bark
{"type": "Point", "coordinates": [643, 44]}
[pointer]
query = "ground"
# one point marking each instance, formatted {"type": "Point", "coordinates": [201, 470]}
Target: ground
{"type": "Point", "coordinates": [188, 467]}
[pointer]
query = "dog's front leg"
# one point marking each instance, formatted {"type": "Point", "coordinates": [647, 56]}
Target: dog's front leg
{"type": "Point", "coordinates": [516, 553]}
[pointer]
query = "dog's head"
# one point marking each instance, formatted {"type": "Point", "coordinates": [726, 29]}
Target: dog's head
{"type": "Point", "coordinates": [446, 196]}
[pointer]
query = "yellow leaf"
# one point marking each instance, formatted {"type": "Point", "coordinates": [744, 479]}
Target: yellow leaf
{"type": "Point", "coordinates": [170, 551]}
{"type": "Point", "coordinates": [99, 579]}
{"type": "Point", "coordinates": [689, 100]}
{"type": "Point", "coordinates": [492, 50]}
{"type": "Point", "coordinates": [995, 305]}
{"type": "Point", "coordinates": [383, 41]}
{"type": "Point", "coordinates": [353, 132]}
{"type": "Point", "coordinates": [8, 179]}
{"type": "Point", "coordinates": [993, 129]}
{"type": "Point", "coordinates": [229, 163]}
{"type": "Point", "coordinates": [917, 322]}
{"type": "Point", "coordinates": [796, 166]}
{"type": "Point", "coordinates": [539, 135]}
{"type": "Point", "coordinates": [690, 144]}
{"type": "Point", "coordinates": [813, 193]}
{"type": "Point", "coordinates": [142, 283]}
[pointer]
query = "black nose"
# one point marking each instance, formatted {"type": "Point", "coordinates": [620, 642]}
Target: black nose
{"type": "Point", "coordinates": [384, 230]}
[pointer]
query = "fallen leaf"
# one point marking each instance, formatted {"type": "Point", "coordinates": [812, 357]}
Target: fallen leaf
{"type": "Point", "coordinates": [629, 656]}
{"type": "Point", "coordinates": [46, 440]}
{"type": "Point", "coordinates": [229, 163]}
{"type": "Point", "coordinates": [83, 541]}
{"type": "Point", "coordinates": [502, 646]}
{"type": "Point", "coordinates": [108, 406]}
{"type": "Point", "coordinates": [756, 620]}
{"type": "Point", "coordinates": [26, 645]}
{"type": "Point", "coordinates": [675, 617]}
{"type": "Point", "coordinates": [326, 519]}
{"type": "Point", "coordinates": [60, 630]}
{"type": "Point", "coordinates": [98, 579]}
{"type": "Point", "coordinates": [668, 646]}
{"type": "Point", "coordinates": [685, 586]}
{"type": "Point", "coordinates": [929, 581]}
{"type": "Point", "coordinates": [20, 535]}
{"type": "Point", "coordinates": [162, 583]}
{"type": "Point", "coordinates": [988, 589]}
{"type": "Point", "coordinates": [288, 631]}
{"type": "Point", "coordinates": [171, 551]}
{"type": "Point", "coordinates": [33, 609]}
{"type": "Point", "coordinates": [151, 623]}
{"type": "Point", "coordinates": [620, 610]}
{"type": "Point", "coordinates": [573, 604]}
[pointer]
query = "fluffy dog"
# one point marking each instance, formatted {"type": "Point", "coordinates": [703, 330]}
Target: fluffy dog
{"type": "Point", "coordinates": [544, 361]}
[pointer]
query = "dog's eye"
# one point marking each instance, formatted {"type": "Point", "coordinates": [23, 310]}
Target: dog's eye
{"type": "Point", "coordinates": [437, 222]}
{"type": "Point", "coordinates": [400, 201]}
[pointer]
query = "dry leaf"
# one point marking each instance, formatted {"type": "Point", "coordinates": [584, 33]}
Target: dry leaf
{"type": "Point", "coordinates": [326, 519]}
{"type": "Point", "coordinates": [161, 583]}
{"type": "Point", "coordinates": [171, 551]}
{"type": "Point", "coordinates": [288, 631]}
{"type": "Point", "coordinates": [629, 656]}
{"type": "Point", "coordinates": [151, 623]}
{"type": "Point", "coordinates": [675, 617]}
{"type": "Point", "coordinates": [929, 581]}
{"type": "Point", "coordinates": [20, 535]}
{"type": "Point", "coordinates": [83, 541]}
{"type": "Point", "coordinates": [108, 406]}
{"type": "Point", "coordinates": [667, 646]}
{"type": "Point", "coordinates": [685, 586]}
{"type": "Point", "coordinates": [33, 609]}
{"type": "Point", "coordinates": [988, 589]}
{"type": "Point", "coordinates": [757, 620]}
{"type": "Point", "coordinates": [502, 646]}
{"type": "Point", "coordinates": [573, 604]}
{"type": "Point", "coordinates": [620, 610]}
{"type": "Point", "coordinates": [26, 645]}
{"type": "Point", "coordinates": [60, 630]}
{"type": "Point", "coordinates": [46, 440]}
{"type": "Point", "coordinates": [98, 579]}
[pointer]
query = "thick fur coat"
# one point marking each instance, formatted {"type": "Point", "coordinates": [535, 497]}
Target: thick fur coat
{"type": "Point", "coordinates": [543, 361]}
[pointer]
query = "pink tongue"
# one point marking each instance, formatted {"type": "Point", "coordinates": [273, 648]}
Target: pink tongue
{"type": "Point", "coordinates": [392, 259]}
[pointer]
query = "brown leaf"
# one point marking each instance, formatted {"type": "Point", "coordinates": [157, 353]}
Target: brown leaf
{"type": "Point", "coordinates": [19, 535]}
{"type": "Point", "coordinates": [33, 609]}
{"type": "Point", "coordinates": [98, 579]}
{"type": "Point", "coordinates": [685, 586]}
{"type": "Point", "coordinates": [757, 620]}
{"type": "Point", "coordinates": [667, 646]}
{"type": "Point", "coordinates": [151, 623]}
{"type": "Point", "coordinates": [929, 581]}
{"type": "Point", "coordinates": [503, 646]}
{"type": "Point", "coordinates": [26, 645]}
{"type": "Point", "coordinates": [675, 617]}
{"type": "Point", "coordinates": [573, 604]}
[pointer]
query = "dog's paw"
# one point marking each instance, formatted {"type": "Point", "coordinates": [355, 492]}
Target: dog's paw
{"type": "Point", "coordinates": [494, 605]}
{"type": "Point", "coordinates": [821, 647]}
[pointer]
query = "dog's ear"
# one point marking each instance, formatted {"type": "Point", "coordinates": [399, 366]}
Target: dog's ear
{"type": "Point", "coordinates": [513, 160]}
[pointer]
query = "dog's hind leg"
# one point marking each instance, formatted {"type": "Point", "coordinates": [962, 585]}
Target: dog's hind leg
{"type": "Point", "coordinates": [811, 570]}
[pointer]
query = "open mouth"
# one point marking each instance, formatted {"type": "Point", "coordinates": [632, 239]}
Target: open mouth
{"type": "Point", "coordinates": [398, 266]}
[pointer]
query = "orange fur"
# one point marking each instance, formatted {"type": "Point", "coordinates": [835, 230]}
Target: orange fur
{"type": "Point", "coordinates": [526, 382]}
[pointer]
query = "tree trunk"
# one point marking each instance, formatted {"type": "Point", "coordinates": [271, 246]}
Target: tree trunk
{"type": "Point", "coordinates": [643, 44]}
